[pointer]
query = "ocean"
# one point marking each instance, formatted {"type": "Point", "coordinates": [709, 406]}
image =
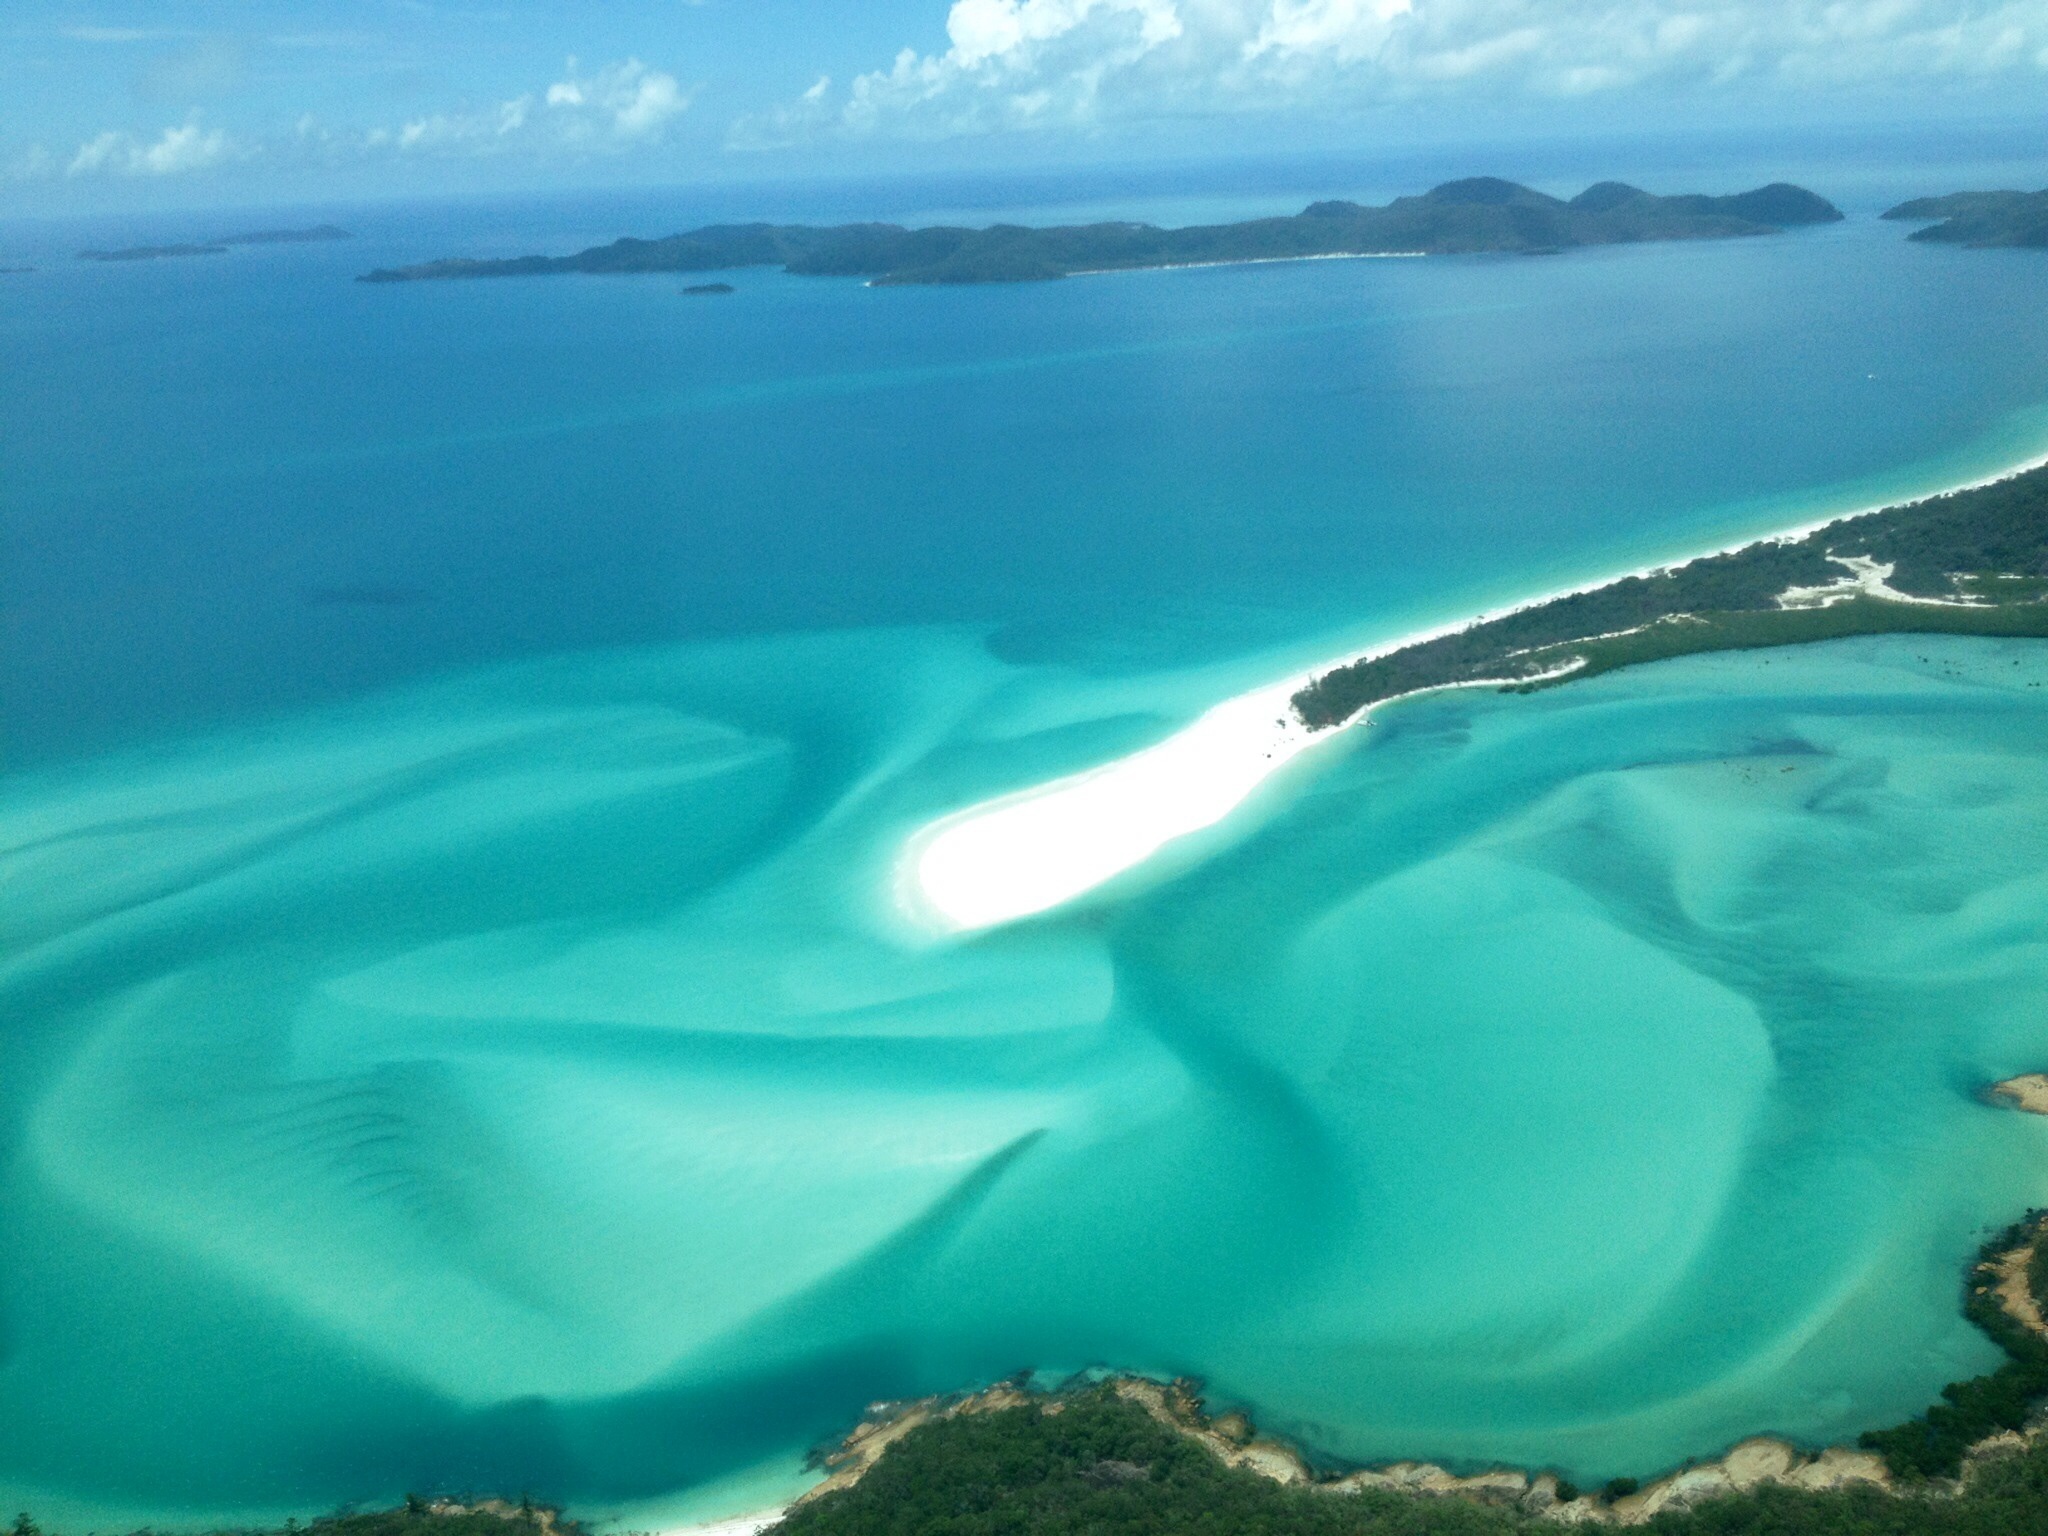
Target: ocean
{"type": "Point", "coordinates": [460, 1026]}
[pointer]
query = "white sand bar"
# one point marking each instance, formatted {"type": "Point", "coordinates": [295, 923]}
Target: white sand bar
{"type": "Point", "coordinates": [1031, 851]}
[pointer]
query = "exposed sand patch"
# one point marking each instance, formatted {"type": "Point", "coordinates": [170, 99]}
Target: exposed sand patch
{"type": "Point", "coordinates": [1866, 578]}
{"type": "Point", "coordinates": [2028, 1091]}
{"type": "Point", "coordinates": [2015, 1294]}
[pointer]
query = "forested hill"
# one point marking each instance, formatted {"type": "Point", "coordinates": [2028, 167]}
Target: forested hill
{"type": "Point", "coordinates": [1483, 214]}
{"type": "Point", "coordinates": [1979, 218]}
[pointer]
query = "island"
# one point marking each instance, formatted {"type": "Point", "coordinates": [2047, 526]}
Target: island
{"type": "Point", "coordinates": [1971, 562]}
{"type": "Point", "coordinates": [219, 245]}
{"type": "Point", "coordinates": [152, 252]}
{"type": "Point", "coordinates": [700, 289]}
{"type": "Point", "coordinates": [1482, 214]}
{"type": "Point", "coordinates": [1981, 220]}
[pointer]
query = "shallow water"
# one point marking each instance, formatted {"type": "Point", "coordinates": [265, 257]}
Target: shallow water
{"type": "Point", "coordinates": [460, 1028]}
{"type": "Point", "coordinates": [524, 1081]}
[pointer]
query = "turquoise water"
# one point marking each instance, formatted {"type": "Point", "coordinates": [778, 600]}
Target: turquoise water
{"type": "Point", "coordinates": [458, 1031]}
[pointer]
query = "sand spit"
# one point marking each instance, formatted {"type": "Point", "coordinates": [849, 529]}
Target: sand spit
{"type": "Point", "coordinates": [1030, 851]}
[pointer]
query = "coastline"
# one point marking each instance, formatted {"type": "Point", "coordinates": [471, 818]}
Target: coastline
{"type": "Point", "coordinates": [1998, 1278]}
{"type": "Point", "coordinates": [1237, 261]}
{"type": "Point", "coordinates": [1029, 851]}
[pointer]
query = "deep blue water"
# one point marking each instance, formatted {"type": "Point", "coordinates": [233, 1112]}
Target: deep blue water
{"type": "Point", "coordinates": [457, 1028]}
{"type": "Point", "coordinates": [245, 482]}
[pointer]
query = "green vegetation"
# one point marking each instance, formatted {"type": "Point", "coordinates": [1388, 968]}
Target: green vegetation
{"type": "Point", "coordinates": [1101, 1466]}
{"type": "Point", "coordinates": [1094, 1463]}
{"type": "Point", "coordinates": [1481, 214]}
{"type": "Point", "coordinates": [1988, 545]}
{"type": "Point", "coordinates": [1979, 219]}
{"type": "Point", "coordinates": [1933, 1444]}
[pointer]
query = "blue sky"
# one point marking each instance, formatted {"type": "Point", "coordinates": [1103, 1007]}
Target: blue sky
{"type": "Point", "coordinates": [112, 104]}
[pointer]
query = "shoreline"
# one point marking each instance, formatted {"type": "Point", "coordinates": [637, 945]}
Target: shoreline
{"type": "Point", "coordinates": [1032, 850]}
{"type": "Point", "coordinates": [1997, 1272]}
{"type": "Point", "coordinates": [1196, 266]}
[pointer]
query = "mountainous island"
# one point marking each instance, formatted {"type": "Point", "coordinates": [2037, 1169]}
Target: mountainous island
{"type": "Point", "coordinates": [1481, 214]}
{"type": "Point", "coordinates": [1979, 219]}
{"type": "Point", "coordinates": [1973, 562]}
{"type": "Point", "coordinates": [218, 246]}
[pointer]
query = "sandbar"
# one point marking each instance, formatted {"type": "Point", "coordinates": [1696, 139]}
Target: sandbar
{"type": "Point", "coordinates": [1030, 851]}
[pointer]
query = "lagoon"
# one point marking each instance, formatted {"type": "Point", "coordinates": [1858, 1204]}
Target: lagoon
{"type": "Point", "coordinates": [462, 1031]}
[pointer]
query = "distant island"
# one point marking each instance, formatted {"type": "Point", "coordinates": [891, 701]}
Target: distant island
{"type": "Point", "coordinates": [1979, 219]}
{"type": "Point", "coordinates": [701, 289]}
{"type": "Point", "coordinates": [152, 252]}
{"type": "Point", "coordinates": [219, 245]}
{"type": "Point", "coordinates": [1483, 214]}
{"type": "Point", "coordinates": [1972, 562]}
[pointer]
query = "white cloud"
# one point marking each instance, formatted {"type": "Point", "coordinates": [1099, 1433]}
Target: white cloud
{"type": "Point", "coordinates": [173, 152]}
{"type": "Point", "coordinates": [1009, 62]}
{"type": "Point", "coordinates": [1347, 29]}
{"type": "Point", "coordinates": [617, 107]}
{"type": "Point", "coordinates": [1021, 62]}
{"type": "Point", "coordinates": [627, 100]}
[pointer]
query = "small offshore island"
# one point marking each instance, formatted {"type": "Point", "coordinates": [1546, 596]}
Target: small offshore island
{"type": "Point", "coordinates": [1482, 214]}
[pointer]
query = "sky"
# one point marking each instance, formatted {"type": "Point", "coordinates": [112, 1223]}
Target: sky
{"type": "Point", "coordinates": [111, 105]}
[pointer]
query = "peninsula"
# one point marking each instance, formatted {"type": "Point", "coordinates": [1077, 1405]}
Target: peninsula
{"type": "Point", "coordinates": [1973, 562]}
{"type": "Point", "coordinates": [1477, 215]}
{"type": "Point", "coordinates": [1978, 219]}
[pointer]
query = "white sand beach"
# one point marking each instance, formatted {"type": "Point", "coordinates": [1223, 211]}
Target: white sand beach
{"type": "Point", "coordinates": [1038, 848]}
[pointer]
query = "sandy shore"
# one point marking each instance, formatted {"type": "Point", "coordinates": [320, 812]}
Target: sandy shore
{"type": "Point", "coordinates": [2028, 1091]}
{"type": "Point", "coordinates": [735, 1525]}
{"type": "Point", "coordinates": [1038, 848]}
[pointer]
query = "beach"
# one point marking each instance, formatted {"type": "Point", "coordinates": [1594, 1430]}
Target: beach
{"type": "Point", "coordinates": [1036, 849]}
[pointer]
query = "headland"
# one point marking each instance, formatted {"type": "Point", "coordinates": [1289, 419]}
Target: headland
{"type": "Point", "coordinates": [1980, 220]}
{"type": "Point", "coordinates": [906, 1465]}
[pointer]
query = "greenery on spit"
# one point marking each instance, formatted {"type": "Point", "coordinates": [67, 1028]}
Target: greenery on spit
{"type": "Point", "coordinates": [1989, 545]}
